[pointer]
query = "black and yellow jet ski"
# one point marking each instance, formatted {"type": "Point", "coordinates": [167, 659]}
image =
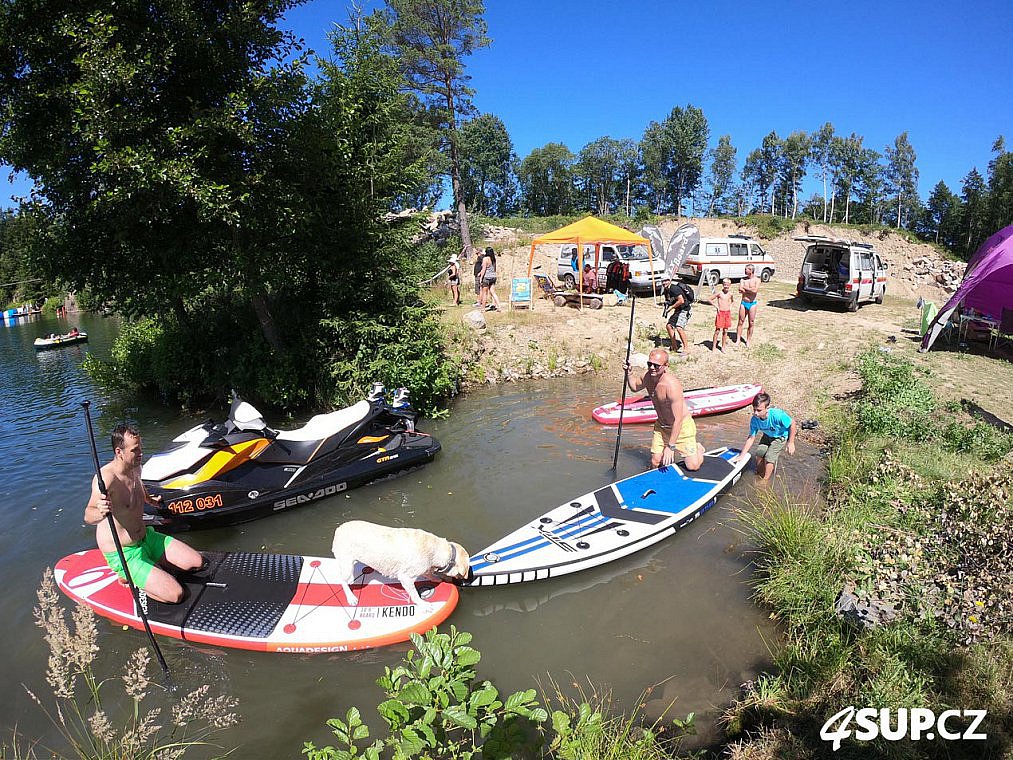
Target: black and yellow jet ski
{"type": "Point", "coordinates": [240, 469]}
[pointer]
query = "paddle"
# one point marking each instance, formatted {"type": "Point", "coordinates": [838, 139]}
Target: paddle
{"type": "Point", "coordinates": [626, 379]}
{"type": "Point", "coordinates": [119, 550]}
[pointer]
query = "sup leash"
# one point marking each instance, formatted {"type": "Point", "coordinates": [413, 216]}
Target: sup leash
{"type": "Point", "coordinates": [626, 380]}
{"type": "Point", "coordinates": [123, 560]}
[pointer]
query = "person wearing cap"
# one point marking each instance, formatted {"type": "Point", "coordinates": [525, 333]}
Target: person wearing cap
{"type": "Point", "coordinates": [454, 279]}
{"type": "Point", "coordinates": [677, 303]}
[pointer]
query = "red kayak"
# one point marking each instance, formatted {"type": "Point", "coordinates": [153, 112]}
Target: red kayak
{"type": "Point", "coordinates": [701, 402]}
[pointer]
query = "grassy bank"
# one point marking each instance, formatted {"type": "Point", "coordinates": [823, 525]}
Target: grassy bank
{"type": "Point", "coordinates": [914, 531]}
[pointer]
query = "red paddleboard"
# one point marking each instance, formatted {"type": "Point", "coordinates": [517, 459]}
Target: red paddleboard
{"type": "Point", "coordinates": [701, 402]}
{"type": "Point", "coordinates": [266, 603]}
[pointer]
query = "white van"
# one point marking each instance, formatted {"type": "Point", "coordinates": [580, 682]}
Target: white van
{"type": "Point", "coordinates": [840, 271]}
{"type": "Point", "coordinates": [719, 257]}
{"type": "Point", "coordinates": [645, 274]}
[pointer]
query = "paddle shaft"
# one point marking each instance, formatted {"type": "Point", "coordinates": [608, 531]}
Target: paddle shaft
{"type": "Point", "coordinates": [119, 551]}
{"type": "Point", "coordinates": [626, 380]}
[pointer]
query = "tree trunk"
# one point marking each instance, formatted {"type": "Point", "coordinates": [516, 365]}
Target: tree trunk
{"type": "Point", "coordinates": [833, 199]}
{"type": "Point", "coordinates": [824, 197]}
{"type": "Point", "coordinates": [898, 210]}
{"type": "Point", "coordinates": [455, 170]}
{"type": "Point", "coordinates": [267, 325]}
{"type": "Point", "coordinates": [847, 207]}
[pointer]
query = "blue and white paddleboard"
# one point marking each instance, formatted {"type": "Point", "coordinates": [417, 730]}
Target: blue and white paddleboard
{"type": "Point", "coordinates": [612, 522]}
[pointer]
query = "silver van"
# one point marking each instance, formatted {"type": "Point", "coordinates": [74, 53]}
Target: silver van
{"type": "Point", "coordinates": [645, 273]}
{"type": "Point", "coordinates": [840, 271]}
{"type": "Point", "coordinates": [715, 258]}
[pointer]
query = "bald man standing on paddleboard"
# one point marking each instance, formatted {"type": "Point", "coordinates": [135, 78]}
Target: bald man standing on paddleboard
{"type": "Point", "coordinates": [675, 429]}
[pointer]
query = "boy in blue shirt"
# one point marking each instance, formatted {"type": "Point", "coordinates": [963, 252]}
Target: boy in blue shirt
{"type": "Point", "coordinates": [776, 431]}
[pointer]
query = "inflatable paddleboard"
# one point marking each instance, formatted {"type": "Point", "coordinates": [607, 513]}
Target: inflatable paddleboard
{"type": "Point", "coordinates": [266, 602]}
{"type": "Point", "coordinates": [701, 402]}
{"type": "Point", "coordinates": [604, 525]}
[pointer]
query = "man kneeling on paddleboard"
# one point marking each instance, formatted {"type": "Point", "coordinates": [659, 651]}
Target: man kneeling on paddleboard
{"type": "Point", "coordinates": [675, 429]}
{"type": "Point", "coordinates": [143, 548]}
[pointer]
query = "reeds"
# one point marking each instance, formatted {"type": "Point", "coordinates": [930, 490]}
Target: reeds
{"type": "Point", "coordinates": [134, 727]}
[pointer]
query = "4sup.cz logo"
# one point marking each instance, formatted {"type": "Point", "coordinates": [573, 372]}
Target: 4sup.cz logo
{"type": "Point", "coordinates": [893, 725]}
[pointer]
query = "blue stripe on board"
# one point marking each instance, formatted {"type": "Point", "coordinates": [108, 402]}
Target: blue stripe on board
{"type": "Point", "coordinates": [538, 542]}
{"type": "Point", "coordinates": [673, 492]}
{"type": "Point", "coordinates": [580, 524]}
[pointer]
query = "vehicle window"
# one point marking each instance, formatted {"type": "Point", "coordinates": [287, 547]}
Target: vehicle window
{"type": "Point", "coordinates": [633, 253]}
{"type": "Point", "coordinates": [879, 262]}
{"type": "Point", "coordinates": [738, 249]}
{"type": "Point", "coordinates": [607, 255]}
{"type": "Point", "coordinates": [865, 260]}
{"type": "Point", "coordinates": [715, 249]}
{"type": "Point", "coordinates": [755, 251]}
{"type": "Point", "coordinates": [695, 251]}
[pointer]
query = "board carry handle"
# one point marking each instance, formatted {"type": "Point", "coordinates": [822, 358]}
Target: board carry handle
{"type": "Point", "coordinates": [119, 551]}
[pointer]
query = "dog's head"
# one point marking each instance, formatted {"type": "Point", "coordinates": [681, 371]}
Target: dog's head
{"type": "Point", "coordinates": [458, 563]}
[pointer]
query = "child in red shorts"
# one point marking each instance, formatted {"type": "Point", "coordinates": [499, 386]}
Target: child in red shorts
{"type": "Point", "coordinates": [724, 300]}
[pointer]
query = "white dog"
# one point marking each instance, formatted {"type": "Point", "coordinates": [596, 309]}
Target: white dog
{"type": "Point", "coordinates": [406, 554]}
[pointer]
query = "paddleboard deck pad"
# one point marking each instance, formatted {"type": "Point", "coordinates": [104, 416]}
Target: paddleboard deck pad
{"type": "Point", "coordinates": [266, 602]}
{"type": "Point", "coordinates": [701, 402]}
{"type": "Point", "coordinates": [604, 525]}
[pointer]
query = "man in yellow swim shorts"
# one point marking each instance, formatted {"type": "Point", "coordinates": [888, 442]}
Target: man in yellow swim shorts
{"type": "Point", "coordinates": [675, 430]}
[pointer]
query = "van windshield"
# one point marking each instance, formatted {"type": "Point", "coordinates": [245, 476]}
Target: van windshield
{"type": "Point", "coordinates": [632, 252]}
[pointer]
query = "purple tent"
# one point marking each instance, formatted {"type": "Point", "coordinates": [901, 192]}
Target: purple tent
{"type": "Point", "coordinates": [987, 286]}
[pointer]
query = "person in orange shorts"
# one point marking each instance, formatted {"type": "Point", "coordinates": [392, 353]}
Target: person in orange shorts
{"type": "Point", "coordinates": [723, 300]}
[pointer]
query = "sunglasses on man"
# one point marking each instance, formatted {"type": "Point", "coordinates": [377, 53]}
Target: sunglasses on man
{"type": "Point", "coordinates": [652, 365]}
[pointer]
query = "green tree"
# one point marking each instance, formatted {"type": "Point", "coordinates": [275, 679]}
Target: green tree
{"type": "Point", "coordinates": [820, 155]}
{"type": "Point", "coordinates": [722, 171]}
{"type": "Point", "coordinates": [791, 167]}
{"type": "Point", "coordinates": [673, 153]}
{"type": "Point", "coordinates": [1000, 187]}
{"type": "Point", "coordinates": [602, 172]}
{"type": "Point", "coordinates": [155, 134]}
{"type": "Point", "coordinates": [974, 195]}
{"type": "Point", "coordinates": [487, 160]}
{"type": "Point", "coordinates": [546, 179]}
{"type": "Point", "coordinates": [901, 176]}
{"type": "Point", "coordinates": [942, 216]}
{"type": "Point", "coordinates": [432, 38]}
{"type": "Point", "coordinates": [848, 159]}
{"type": "Point", "coordinates": [760, 170]}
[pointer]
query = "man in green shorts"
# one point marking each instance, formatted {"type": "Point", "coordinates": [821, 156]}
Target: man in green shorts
{"type": "Point", "coordinates": [145, 550]}
{"type": "Point", "coordinates": [776, 431]}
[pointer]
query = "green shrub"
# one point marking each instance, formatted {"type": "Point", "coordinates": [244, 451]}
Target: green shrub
{"type": "Point", "coordinates": [435, 706]}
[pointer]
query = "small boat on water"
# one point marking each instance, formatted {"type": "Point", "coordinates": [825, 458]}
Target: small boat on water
{"type": "Point", "coordinates": [701, 402]}
{"type": "Point", "coordinates": [56, 341]}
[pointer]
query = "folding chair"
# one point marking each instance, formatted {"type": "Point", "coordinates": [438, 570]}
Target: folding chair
{"type": "Point", "coordinates": [1002, 336]}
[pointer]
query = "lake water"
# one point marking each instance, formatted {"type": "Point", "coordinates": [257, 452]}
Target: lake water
{"type": "Point", "coordinates": [677, 613]}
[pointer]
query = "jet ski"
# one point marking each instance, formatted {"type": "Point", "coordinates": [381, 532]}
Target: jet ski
{"type": "Point", "coordinates": [240, 469]}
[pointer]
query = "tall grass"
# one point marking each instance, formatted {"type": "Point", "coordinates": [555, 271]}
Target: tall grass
{"type": "Point", "coordinates": [148, 728]}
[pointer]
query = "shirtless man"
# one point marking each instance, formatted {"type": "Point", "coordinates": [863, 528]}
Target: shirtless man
{"type": "Point", "coordinates": [675, 429]}
{"type": "Point", "coordinates": [143, 548]}
{"type": "Point", "coordinates": [749, 288]}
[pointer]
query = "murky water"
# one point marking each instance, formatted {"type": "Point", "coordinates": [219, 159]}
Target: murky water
{"type": "Point", "coordinates": [677, 613]}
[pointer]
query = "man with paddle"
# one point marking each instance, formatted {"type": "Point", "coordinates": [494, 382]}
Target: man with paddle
{"type": "Point", "coordinates": [675, 429]}
{"type": "Point", "coordinates": [143, 548]}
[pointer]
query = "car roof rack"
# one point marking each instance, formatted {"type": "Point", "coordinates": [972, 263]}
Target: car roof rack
{"type": "Point", "coordinates": [743, 237]}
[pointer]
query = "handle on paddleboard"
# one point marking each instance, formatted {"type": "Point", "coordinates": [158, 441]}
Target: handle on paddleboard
{"type": "Point", "coordinates": [626, 379]}
{"type": "Point", "coordinates": [119, 551]}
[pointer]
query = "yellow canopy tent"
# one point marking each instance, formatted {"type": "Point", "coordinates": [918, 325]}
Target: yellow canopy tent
{"type": "Point", "coordinates": [589, 230]}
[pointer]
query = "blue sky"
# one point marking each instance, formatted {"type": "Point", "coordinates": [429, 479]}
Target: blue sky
{"type": "Point", "coordinates": [570, 72]}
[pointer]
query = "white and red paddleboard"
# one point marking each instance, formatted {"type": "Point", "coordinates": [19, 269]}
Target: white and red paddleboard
{"type": "Point", "coordinates": [266, 602]}
{"type": "Point", "coordinates": [701, 402]}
